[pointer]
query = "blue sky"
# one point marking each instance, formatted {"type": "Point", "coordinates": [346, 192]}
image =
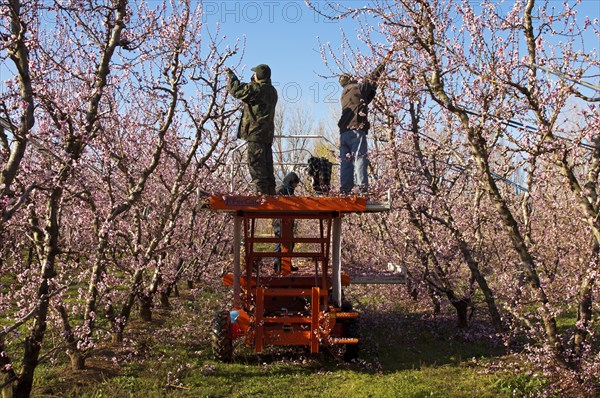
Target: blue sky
{"type": "Point", "coordinates": [283, 34]}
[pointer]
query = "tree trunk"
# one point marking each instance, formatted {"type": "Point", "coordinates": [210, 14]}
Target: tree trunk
{"type": "Point", "coordinates": [462, 307]}
{"type": "Point", "coordinates": [130, 300]}
{"type": "Point", "coordinates": [20, 57]}
{"type": "Point", "coordinates": [95, 279]}
{"type": "Point", "coordinates": [473, 265]}
{"type": "Point", "coordinates": [76, 356]}
{"type": "Point", "coordinates": [437, 306]}
{"type": "Point", "coordinates": [146, 299]}
{"type": "Point", "coordinates": [117, 337]}
{"type": "Point", "coordinates": [164, 298]}
{"type": "Point", "coordinates": [8, 377]}
{"type": "Point", "coordinates": [449, 223]}
{"type": "Point", "coordinates": [77, 360]}
{"type": "Point", "coordinates": [7, 390]}
{"type": "Point", "coordinates": [145, 311]}
{"type": "Point", "coordinates": [584, 315]}
{"type": "Point", "coordinates": [411, 289]}
{"type": "Point", "coordinates": [33, 342]}
{"type": "Point", "coordinates": [435, 299]}
{"type": "Point", "coordinates": [24, 384]}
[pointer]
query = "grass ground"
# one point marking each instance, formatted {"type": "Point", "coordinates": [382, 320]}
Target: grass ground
{"type": "Point", "coordinates": [402, 356]}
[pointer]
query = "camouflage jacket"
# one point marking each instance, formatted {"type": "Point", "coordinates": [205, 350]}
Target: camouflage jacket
{"type": "Point", "coordinates": [258, 115]}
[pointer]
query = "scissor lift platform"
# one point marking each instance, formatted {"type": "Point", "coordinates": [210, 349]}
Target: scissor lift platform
{"type": "Point", "coordinates": [286, 307]}
{"type": "Point", "coordinates": [295, 204]}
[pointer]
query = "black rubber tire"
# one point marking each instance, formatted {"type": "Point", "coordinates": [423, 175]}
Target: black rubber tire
{"type": "Point", "coordinates": [352, 330]}
{"type": "Point", "coordinates": [221, 343]}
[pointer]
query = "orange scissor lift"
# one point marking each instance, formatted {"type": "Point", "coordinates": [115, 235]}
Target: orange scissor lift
{"type": "Point", "coordinates": [303, 307]}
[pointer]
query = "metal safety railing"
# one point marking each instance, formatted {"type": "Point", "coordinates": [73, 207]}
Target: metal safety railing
{"type": "Point", "coordinates": [237, 150]}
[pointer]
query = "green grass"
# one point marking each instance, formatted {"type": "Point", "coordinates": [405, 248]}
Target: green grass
{"type": "Point", "coordinates": [304, 382]}
{"type": "Point", "coordinates": [402, 356]}
{"type": "Point", "coordinates": [210, 379]}
{"type": "Point", "coordinates": [566, 320]}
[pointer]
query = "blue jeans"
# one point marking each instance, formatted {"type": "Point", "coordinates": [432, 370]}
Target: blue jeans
{"type": "Point", "coordinates": [353, 161]}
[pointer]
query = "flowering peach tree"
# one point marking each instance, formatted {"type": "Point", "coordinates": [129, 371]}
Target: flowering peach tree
{"type": "Point", "coordinates": [488, 137]}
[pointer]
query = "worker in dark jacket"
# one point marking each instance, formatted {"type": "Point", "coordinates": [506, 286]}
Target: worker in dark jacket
{"type": "Point", "coordinates": [287, 188]}
{"type": "Point", "coordinates": [289, 184]}
{"type": "Point", "coordinates": [354, 126]}
{"type": "Point", "coordinates": [257, 125]}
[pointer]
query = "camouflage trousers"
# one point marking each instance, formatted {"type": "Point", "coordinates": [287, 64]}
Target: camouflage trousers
{"type": "Point", "coordinates": [260, 164]}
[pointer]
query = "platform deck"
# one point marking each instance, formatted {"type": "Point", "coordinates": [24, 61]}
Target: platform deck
{"type": "Point", "coordinates": [295, 204]}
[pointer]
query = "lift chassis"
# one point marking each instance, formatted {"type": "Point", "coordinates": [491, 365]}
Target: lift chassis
{"type": "Point", "coordinates": [287, 306]}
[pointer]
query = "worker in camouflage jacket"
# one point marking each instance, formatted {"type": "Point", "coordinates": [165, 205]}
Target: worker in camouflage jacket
{"type": "Point", "coordinates": [257, 125]}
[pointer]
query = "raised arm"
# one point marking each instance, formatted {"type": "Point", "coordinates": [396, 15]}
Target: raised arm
{"type": "Point", "coordinates": [368, 87]}
{"type": "Point", "coordinates": [239, 90]}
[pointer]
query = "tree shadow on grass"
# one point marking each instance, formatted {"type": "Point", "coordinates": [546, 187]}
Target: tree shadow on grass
{"type": "Point", "coordinates": [390, 342]}
{"type": "Point", "coordinates": [397, 341]}
{"type": "Point", "coordinates": [67, 381]}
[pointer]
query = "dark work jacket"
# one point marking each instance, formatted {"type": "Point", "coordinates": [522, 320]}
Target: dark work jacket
{"type": "Point", "coordinates": [286, 187]}
{"type": "Point", "coordinates": [259, 98]}
{"type": "Point", "coordinates": [356, 98]}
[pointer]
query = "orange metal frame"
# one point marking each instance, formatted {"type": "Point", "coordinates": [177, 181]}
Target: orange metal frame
{"type": "Point", "coordinates": [260, 294]}
{"type": "Point", "coordinates": [269, 329]}
{"type": "Point", "coordinates": [287, 204]}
